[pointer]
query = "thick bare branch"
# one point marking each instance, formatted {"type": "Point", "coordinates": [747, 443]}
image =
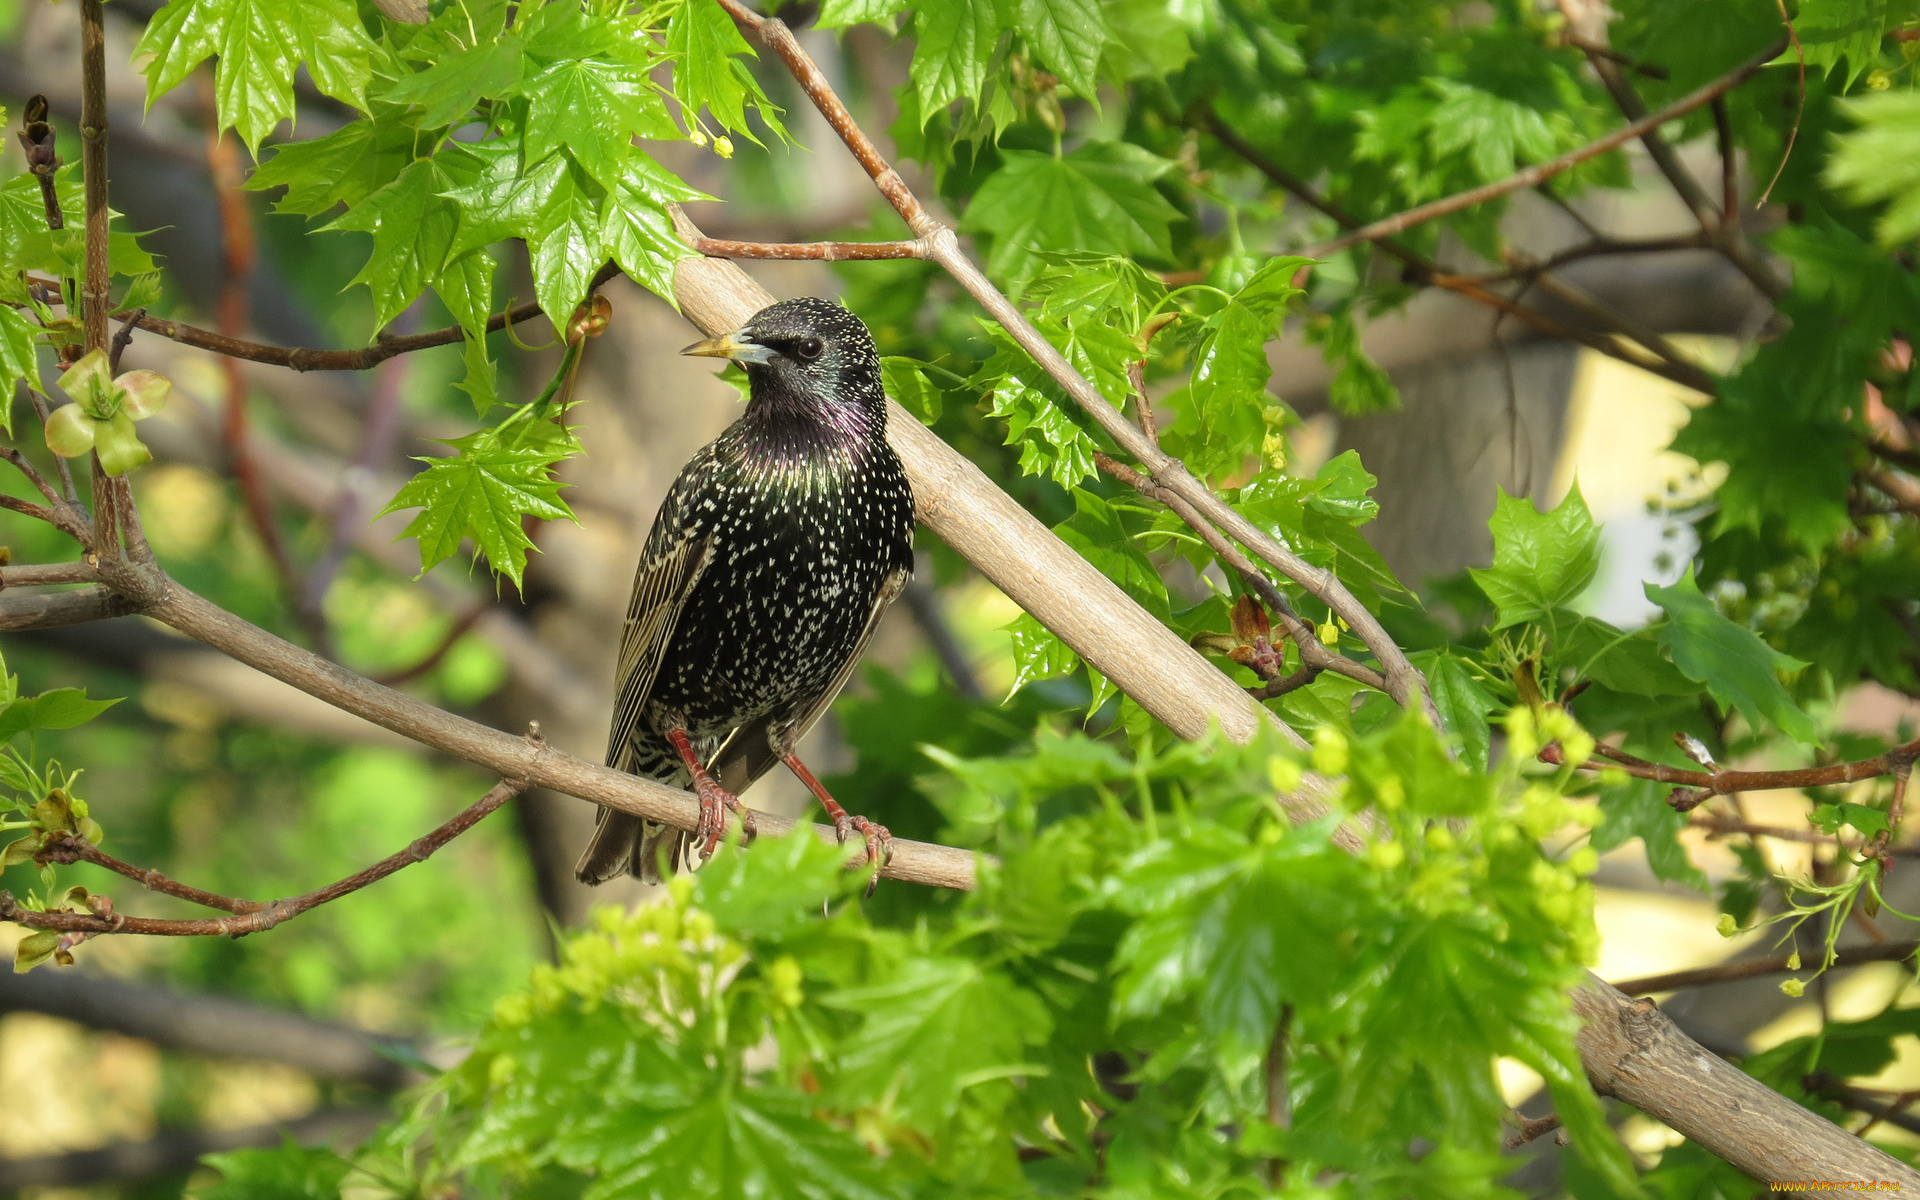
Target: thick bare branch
{"type": "Point", "coordinates": [45, 610]}
{"type": "Point", "coordinates": [1632, 1051]}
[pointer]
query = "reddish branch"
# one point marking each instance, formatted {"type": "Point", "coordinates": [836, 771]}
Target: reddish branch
{"type": "Point", "coordinates": [1897, 762]}
{"type": "Point", "coordinates": [249, 916]}
{"type": "Point", "coordinates": [93, 166]}
{"type": "Point", "coordinates": [237, 235]}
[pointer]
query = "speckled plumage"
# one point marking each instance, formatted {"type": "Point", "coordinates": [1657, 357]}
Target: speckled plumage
{"type": "Point", "coordinates": [768, 567]}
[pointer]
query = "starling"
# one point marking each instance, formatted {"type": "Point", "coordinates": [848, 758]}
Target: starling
{"type": "Point", "coordinates": [768, 568]}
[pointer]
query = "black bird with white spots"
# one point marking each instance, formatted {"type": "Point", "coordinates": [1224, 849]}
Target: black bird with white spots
{"type": "Point", "coordinates": [769, 566]}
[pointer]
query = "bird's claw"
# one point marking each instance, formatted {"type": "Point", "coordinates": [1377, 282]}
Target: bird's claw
{"type": "Point", "coordinates": [715, 802]}
{"type": "Point", "coordinates": [879, 842]}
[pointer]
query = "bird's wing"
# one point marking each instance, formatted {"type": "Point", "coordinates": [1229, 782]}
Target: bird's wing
{"type": "Point", "coordinates": [666, 577]}
{"type": "Point", "coordinates": [748, 752]}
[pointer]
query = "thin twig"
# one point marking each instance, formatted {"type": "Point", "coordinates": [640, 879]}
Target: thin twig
{"type": "Point", "coordinates": [1729, 162]}
{"type": "Point", "coordinates": [816, 251]}
{"type": "Point", "coordinates": [433, 658]}
{"type": "Point", "coordinates": [1313, 652]}
{"type": "Point", "coordinates": [249, 916]}
{"type": "Point", "coordinates": [1793, 133]}
{"type": "Point", "coordinates": [38, 512]}
{"type": "Point", "coordinates": [1400, 222]}
{"type": "Point", "coordinates": [1532, 1128]}
{"type": "Point", "coordinates": [14, 456]}
{"type": "Point", "coordinates": [44, 574]}
{"type": "Point", "coordinates": [1753, 968]}
{"type": "Point", "coordinates": [1720, 783]}
{"type": "Point", "coordinates": [122, 339]}
{"type": "Point", "coordinates": [68, 491]}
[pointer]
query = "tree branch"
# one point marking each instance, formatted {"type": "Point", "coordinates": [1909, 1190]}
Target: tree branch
{"type": "Point", "coordinates": [1666, 362]}
{"type": "Point", "coordinates": [1634, 1052]}
{"type": "Point", "coordinates": [1404, 682]}
{"type": "Point", "coordinates": [816, 251]}
{"type": "Point", "coordinates": [21, 611]}
{"type": "Point", "coordinates": [181, 1150]}
{"type": "Point", "coordinates": [1400, 222]}
{"type": "Point", "coordinates": [249, 916]}
{"type": "Point", "coordinates": [1850, 956]}
{"type": "Point", "coordinates": [93, 160]}
{"type": "Point", "coordinates": [1897, 761]}
{"type": "Point", "coordinates": [209, 1025]}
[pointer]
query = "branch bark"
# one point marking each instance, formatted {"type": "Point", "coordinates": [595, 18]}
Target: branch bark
{"type": "Point", "coordinates": [207, 1025]}
{"type": "Point", "coordinates": [1633, 1052]}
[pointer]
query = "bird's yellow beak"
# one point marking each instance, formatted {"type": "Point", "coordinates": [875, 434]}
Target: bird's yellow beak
{"type": "Point", "coordinates": [738, 346]}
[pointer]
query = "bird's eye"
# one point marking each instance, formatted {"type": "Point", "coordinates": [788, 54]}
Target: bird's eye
{"type": "Point", "coordinates": [808, 349]}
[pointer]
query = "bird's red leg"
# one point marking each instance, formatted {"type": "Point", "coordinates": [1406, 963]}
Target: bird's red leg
{"type": "Point", "coordinates": [714, 799]}
{"type": "Point", "coordinates": [879, 841]}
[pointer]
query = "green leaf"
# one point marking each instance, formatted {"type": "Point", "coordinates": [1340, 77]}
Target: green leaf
{"type": "Point", "coordinates": [1830, 817]}
{"type": "Point", "coordinates": [703, 40]}
{"type": "Point", "coordinates": [344, 167]}
{"type": "Point", "coordinates": [259, 44]}
{"type": "Point", "coordinates": [1541, 561]}
{"type": "Point", "coordinates": [1068, 36]}
{"type": "Point", "coordinates": [448, 89]}
{"type": "Point", "coordinates": [1100, 198]}
{"type": "Point", "coordinates": [413, 226]}
{"type": "Point", "coordinates": [1359, 385]}
{"type": "Point", "coordinates": [1464, 705]}
{"type": "Point", "coordinates": [1880, 160]}
{"type": "Point", "coordinates": [288, 1172]}
{"type": "Point", "coordinates": [838, 14]}
{"type": "Point", "coordinates": [639, 232]}
{"type": "Point", "coordinates": [1739, 669]}
{"type": "Point", "coordinates": [1227, 398]}
{"type": "Point", "coordinates": [1038, 413]}
{"type": "Point", "coordinates": [1832, 30]}
{"type": "Point", "coordinates": [17, 358]}
{"type": "Point", "coordinates": [595, 110]}
{"type": "Point", "coordinates": [27, 244]}
{"type": "Point", "coordinates": [555, 205]}
{"type": "Point", "coordinates": [482, 492]}
{"type": "Point", "coordinates": [1639, 809]}
{"type": "Point", "coordinates": [1096, 532]}
{"type": "Point", "coordinates": [953, 42]}
{"type": "Point", "coordinates": [1037, 653]}
{"type": "Point", "coordinates": [61, 708]}
{"type": "Point", "coordinates": [907, 383]}
{"type": "Point", "coordinates": [662, 1122]}
{"type": "Point", "coordinates": [929, 1033]}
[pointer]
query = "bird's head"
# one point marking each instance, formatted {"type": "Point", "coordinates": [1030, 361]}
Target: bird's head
{"type": "Point", "coordinates": [806, 354]}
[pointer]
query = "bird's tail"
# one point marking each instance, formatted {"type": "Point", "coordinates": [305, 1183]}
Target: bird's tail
{"type": "Point", "coordinates": [624, 844]}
